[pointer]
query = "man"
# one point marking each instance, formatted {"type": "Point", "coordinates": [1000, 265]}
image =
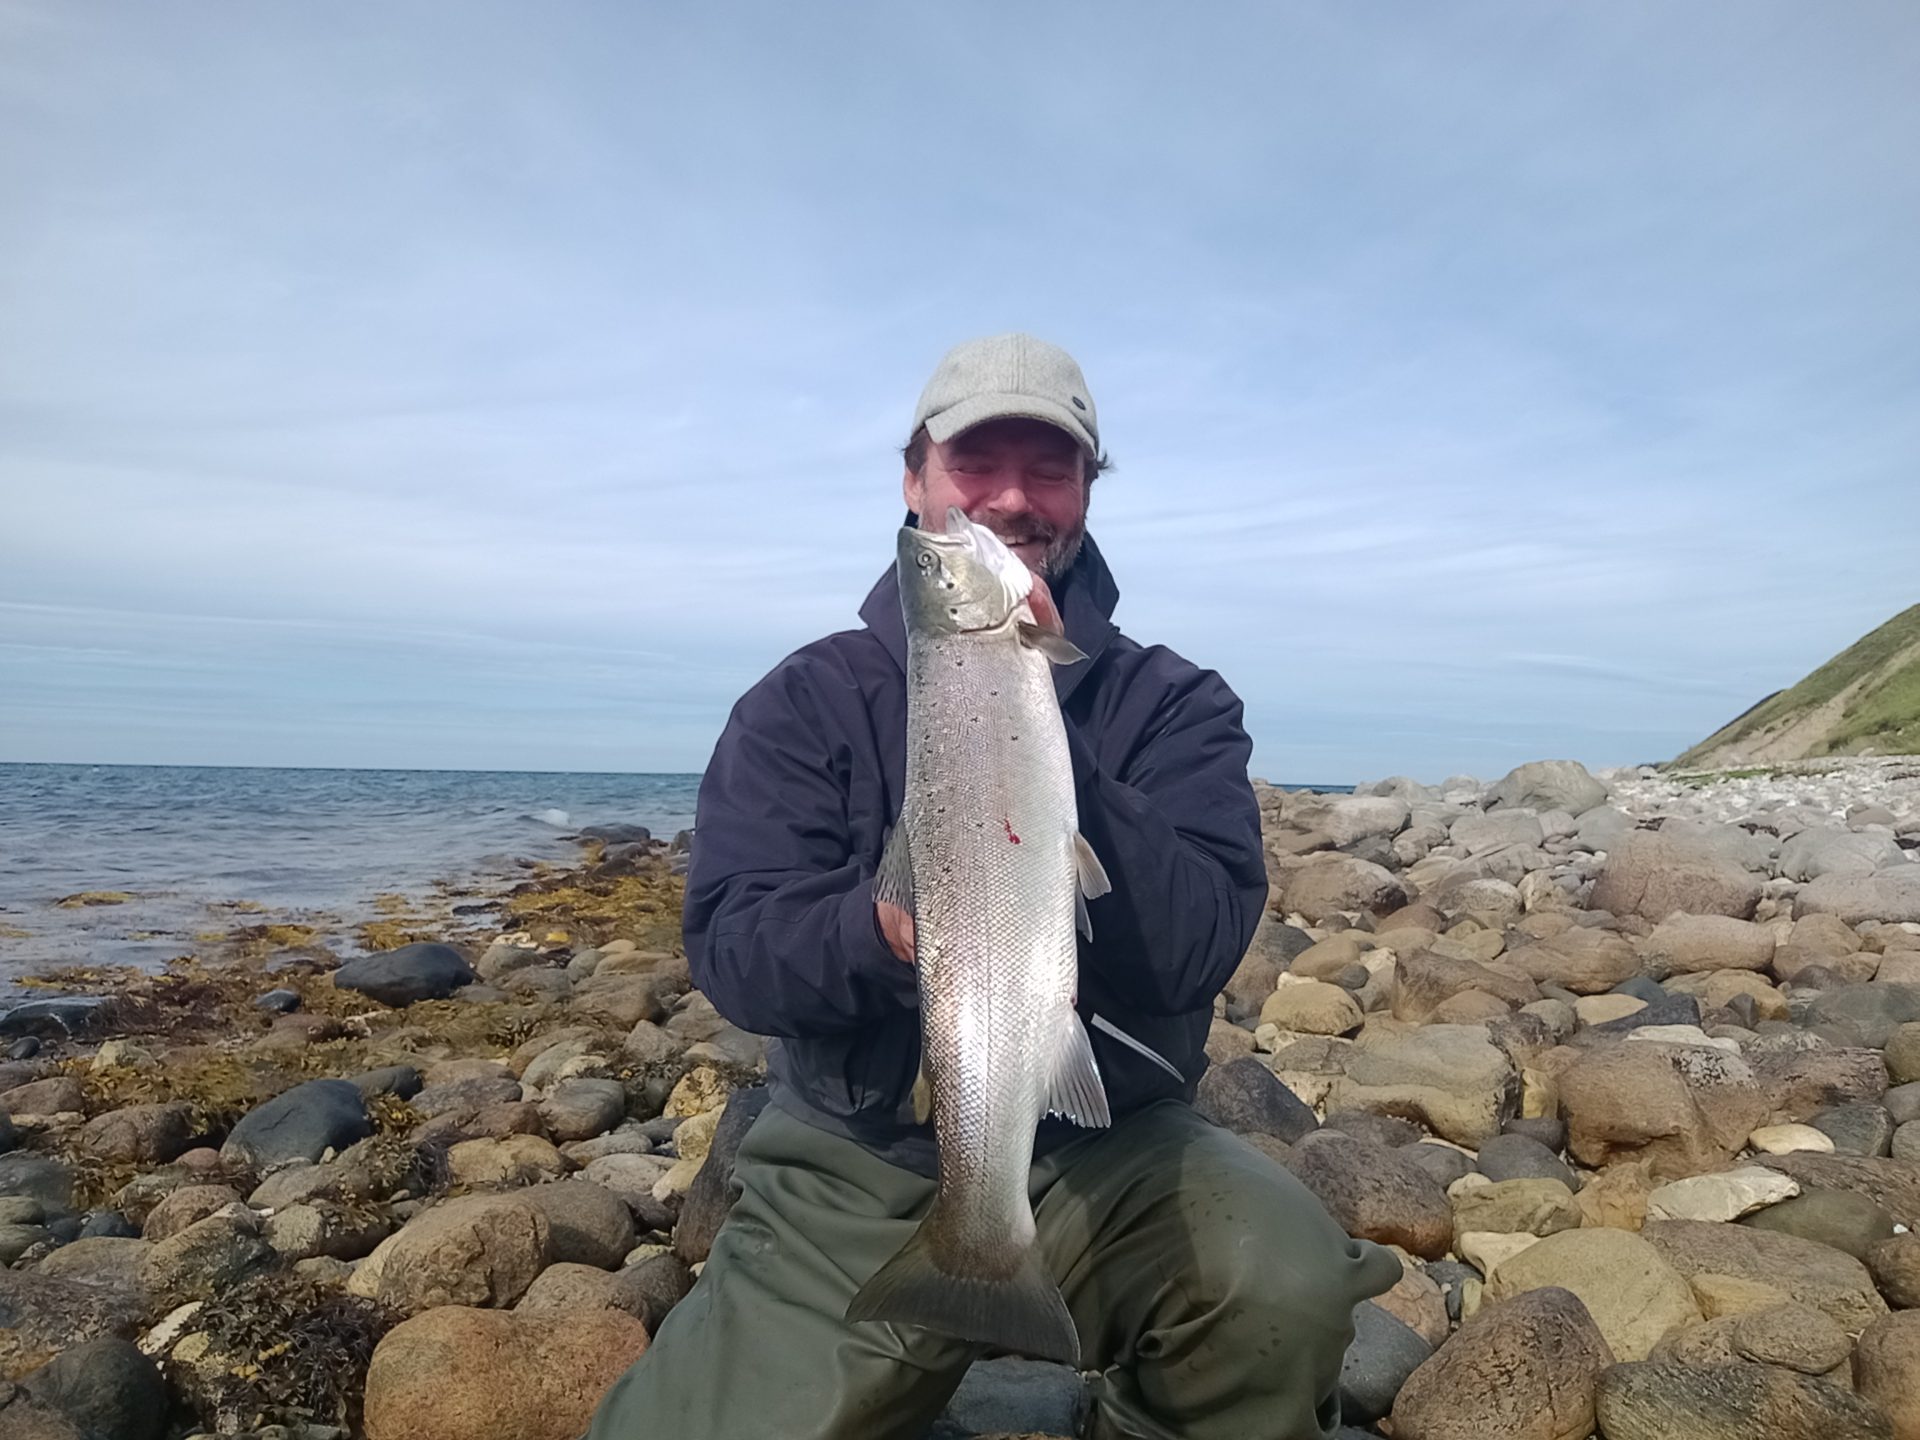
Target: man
{"type": "Point", "coordinates": [1211, 1292]}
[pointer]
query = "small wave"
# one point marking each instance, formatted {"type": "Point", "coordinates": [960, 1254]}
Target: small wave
{"type": "Point", "coordinates": [557, 818]}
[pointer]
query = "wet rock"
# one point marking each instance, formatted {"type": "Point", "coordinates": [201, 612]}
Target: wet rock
{"type": "Point", "coordinates": [1374, 1194]}
{"type": "Point", "coordinates": [106, 1388]}
{"type": "Point", "coordinates": [1525, 1369]}
{"type": "Point", "coordinates": [1845, 1221]}
{"type": "Point", "coordinates": [139, 1134]}
{"type": "Point", "coordinates": [278, 1002]}
{"type": "Point", "coordinates": [1014, 1396]}
{"type": "Point", "coordinates": [56, 1018]}
{"type": "Point", "coordinates": [411, 973]}
{"type": "Point", "coordinates": [299, 1124]}
{"type": "Point", "coordinates": [1243, 1096]}
{"type": "Point", "coordinates": [1635, 1296]}
{"type": "Point", "coordinates": [534, 1376]}
{"type": "Point", "coordinates": [1384, 1352]}
{"type": "Point", "coordinates": [1830, 1280]}
{"type": "Point", "coordinates": [1659, 1400]}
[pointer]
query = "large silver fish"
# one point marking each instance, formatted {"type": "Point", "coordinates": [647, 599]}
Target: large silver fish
{"type": "Point", "coordinates": [988, 860]}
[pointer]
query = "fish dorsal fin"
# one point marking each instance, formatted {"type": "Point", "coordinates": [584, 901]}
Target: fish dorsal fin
{"type": "Point", "coordinates": [1050, 643]}
{"type": "Point", "coordinates": [893, 883]}
{"type": "Point", "coordinates": [1074, 1088]}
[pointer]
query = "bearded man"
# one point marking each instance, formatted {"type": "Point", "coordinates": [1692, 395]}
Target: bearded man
{"type": "Point", "coordinates": [1212, 1294]}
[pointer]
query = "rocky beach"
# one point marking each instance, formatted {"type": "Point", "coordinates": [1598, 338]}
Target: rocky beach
{"type": "Point", "coordinates": [1625, 1066]}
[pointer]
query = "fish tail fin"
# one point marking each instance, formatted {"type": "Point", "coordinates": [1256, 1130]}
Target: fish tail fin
{"type": "Point", "coordinates": [1024, 1312]}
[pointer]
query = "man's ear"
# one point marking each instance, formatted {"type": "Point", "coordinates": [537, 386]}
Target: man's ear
{"type": "Point", "coordinates": [913, 488]}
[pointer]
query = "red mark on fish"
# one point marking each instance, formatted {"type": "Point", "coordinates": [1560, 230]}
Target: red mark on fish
{"type": "Point", "coordinates": [1010, 835]}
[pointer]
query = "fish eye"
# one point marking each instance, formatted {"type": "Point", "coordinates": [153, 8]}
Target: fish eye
{"type": "Point", "coordinates": [925, 560]}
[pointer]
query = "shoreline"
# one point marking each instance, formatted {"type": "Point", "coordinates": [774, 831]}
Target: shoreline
{"type": "Point", "coordinates": [1496, 1026]}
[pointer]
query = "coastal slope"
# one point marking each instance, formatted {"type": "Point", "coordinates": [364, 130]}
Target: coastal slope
{"type": "Point", "coordinates": [1864, 701]}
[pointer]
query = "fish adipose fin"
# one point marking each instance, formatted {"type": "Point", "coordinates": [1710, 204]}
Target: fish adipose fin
{"type": "Point", "coordinates": [1023, 1312]}
{"type": "Point", "coordinates": [1139, 1047]}
{"type": "Point", "coordinates": [1093, 882]}
{"type": "Point", "coordinates": [1050, 643]}
{"type": "Point", "coordinates": [1074, 1088]}
{"type": "Point", "coordinates": [894, 882]}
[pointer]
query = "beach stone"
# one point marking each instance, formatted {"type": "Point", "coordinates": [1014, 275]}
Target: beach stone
{"type": "Point", "coordinates": [566, 1285]}
{"type": "Point", "coordinates": [1244, 1096]}
{"type": "Point", "coordinates": [1533, 1207]}
{"type": "Point", "coordinates": [1902, 1053]}
{"type": "Point", "coordinates": [1659, 1011]}
{"type": "Point", "coordinates": [1683, 1110]}
{"type": "Point", "coordinates": [1856, 1129]}
{"type": "Point", "coordinates": [1830, 1280]}
{"type": "Point", "coordinates": [587, 1224]}
{"type": "Point", "coordinates": [1487, 1250]}
{"type": "Point", "coordinates": [1791, 1335]}
{"type": "Point", "coordinates": [299, 1124]}
{"type": "Point", "coordinates": [1635, 1297]}
{"type": "Point", "coordinates": [1330, 884]}
{"type": "Point", "coordinates": [325, 1229]}
{"type": "Point", "coordinates": [1373, 1194]}
{"type": "Point", "coordinates": [1895, 1267]}
{"type": "Point", "coordinates": [1416, 1301]}
{"type": "Point", "coordinates": [1013, 1396]}
{"type": "Point", "coordinates": [466, 1067]}
{"type": "Point", "coordinates": [1894, 1185]}
{"type": "Point", "coordinates": [622, 1000]}
{"type": "Point", "coordinates": [1886, 1367]}
{"type": "Point", "coordinates": [508, 1160]}
{"type": "Point", "coordinates": [1722, 1197]}
{"type": "Point", "coordinates": [1450, 1078]}
{"type": "Point", "coordinates": [582, 1108]}
{"type": "Point", "coordinates": [1906, 1142]}
{"type": "Point", "coordinates": [1653, 875]}
{"type": "Point", "coordinates": [1889, 896]}
{"type": "Point", "coordinates": [1384, 1352]}
{"type": "Point", "coordinates": [1548, 785]}
{"type": "Point", "coordinates": [21, 1210]}
{"type": "Point", "coordinates": [425, 971]}
{"type": "Point", "coordinates": [535, 1376]}
{"type": "Point", "coordinates": [475, 1250]}
{"type": "Point", "coordinates": [56, 1017]}
{"type": "Point", "coordinates": [1517, 1157]}
{"type": "Point", "coordinates": [1584, 961]}
{"type": "Point", "coordinates": [40, 1099]}
{"type": "Point", "coordinates": [649, 1288]}
{"type": "Point", "coordinates": [1311, 1007]}
{"type": "Point", "coordinates": [1903, 1102]}
{"type": "Point", "coordinates": [1813, 853]}
{"type": "Point", "coordinates": [1425, 980]}
{"type": "Point", "coordinates": [1380, 1129]}
{"type": "Point", "coordinates": [139, 1134]}
{"type": "Point", "coordinates": [1443, 1164]}
{"type": "Point", "coordinates": [1665, 1399]}
{"type": "Point", "coordinates": [1800, 1083]}
{"type": "Point", "coordinates": [401, 1080]}
{"type": "Point", "coordinates": [1837, 1218]}
{"type": "Point", "coordinates": [1274, 946]}
{"type": "Point", "coordinates": [1600, 1009]}
{"type": "Point", "coordinates": [1689, 944]}
{"type": "Point", "coordinates": [16, 1240]}
{"type": "Point", "coordinates": [105, 1388]}
{"type": "Point", "coordinates": [280, 1001]}
{"type": "Point", "coordinates": [1875, 1009]}
{"type": "Point", "coordinates": [207, 1259]}
{"type": "Point", "coordinates": [1524, 1369]}
{"type": "Point", "coordinates": [41, 1315]}
{"type": "Point", "coordinates": [1479, 833]}
{"type": "Point", "coordinates": [468, 1094]}
{"type": "Point", "coordinates": [631, 1177]}
{"type": "Point", "coordinates": [186, 1206]}
{"type": "Point", "coordinates": [711, 1195]}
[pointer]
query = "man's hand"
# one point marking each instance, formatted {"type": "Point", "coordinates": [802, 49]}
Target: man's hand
{"type": "Point", "coordinates": [1045, 613]}
{"type": "Point", "coordinates": [896, 928]}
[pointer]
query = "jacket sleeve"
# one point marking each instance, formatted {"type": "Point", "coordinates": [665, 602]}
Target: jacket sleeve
{"type": "Point", "coordinates": [1175, 824]}
{"type": "Point", "coordinates": [779, 921]}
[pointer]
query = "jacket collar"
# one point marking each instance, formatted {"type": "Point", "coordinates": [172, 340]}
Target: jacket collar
{"type": "Point", "coordinates": [1086, 595]}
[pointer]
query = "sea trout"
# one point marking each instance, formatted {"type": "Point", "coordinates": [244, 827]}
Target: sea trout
{"type": "Point", "coordinates": [988, 859]}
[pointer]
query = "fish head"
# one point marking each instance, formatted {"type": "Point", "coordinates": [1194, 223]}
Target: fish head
{"type": "Point", "coordinates": [959, 579]}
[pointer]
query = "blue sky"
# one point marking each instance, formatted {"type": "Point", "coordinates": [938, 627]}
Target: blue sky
{"type": "Point", "coordinates": [496, 385]}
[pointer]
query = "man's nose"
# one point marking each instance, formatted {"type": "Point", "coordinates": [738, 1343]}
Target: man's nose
{"type": "Point", "coordinates": [1010, 497]}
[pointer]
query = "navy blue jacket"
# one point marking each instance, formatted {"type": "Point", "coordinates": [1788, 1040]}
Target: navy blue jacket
{"type": "Point", "coordinates": [806, 780]}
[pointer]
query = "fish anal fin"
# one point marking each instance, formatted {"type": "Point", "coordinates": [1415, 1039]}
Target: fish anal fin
{"type": "Point", "coordinates": [1023, 1312]}
{"type": "Point", "coordinates": [1074, 1088]}
{"type": "Point", "coordinates": [922, 1097]}
{"type": "Point", "coordinates": [1050, 643]}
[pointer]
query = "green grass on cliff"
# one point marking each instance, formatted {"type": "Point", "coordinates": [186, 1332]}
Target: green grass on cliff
{"type": "Point", "coordinates": [1883, 716]}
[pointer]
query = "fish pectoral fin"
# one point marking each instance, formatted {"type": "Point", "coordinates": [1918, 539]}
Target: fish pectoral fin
{"type": "Point", "coordinates": [1074, 1088]}
{"type": "Point", "coordinates": [1093, 884]}
{"type": "Point", "coordinates": [1139, 1047]}
{"type": "Point", "coordinates": [894, 881]}
{"type": "Point", "coordinates": [1050, 643]}
{"type": "Point", "coordinates": [922, 1096]}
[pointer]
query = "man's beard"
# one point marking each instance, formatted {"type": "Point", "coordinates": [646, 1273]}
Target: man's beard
{"type": "Point", "coordinates": [1062, 546]}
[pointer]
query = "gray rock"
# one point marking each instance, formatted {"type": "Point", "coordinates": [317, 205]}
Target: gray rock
{"type": "Point", "coordinates": [425, 971]}
{"type": "Point", "coordinates": [1852, 1224]}
{"type": "Point", "coordinates": [617, 834]}
{"type": "Point", "coordinates": [21, 1210]}
{"type": "Point", "coordinates": [1857, 1129]}
{"type": "Point", "coordinates": [25, 1048]}
{"type": "Point", "coordinates": [42, 1313]}
{"type": "Point", "coordinates": [58, 1017]}
{"type": "Point", "coordinates": [1664, 1399]}
{"type": "Point", "coordinates": [278, 1002]}
{"type": "Point", "coordinates": [1548, 785]}
{"type": "Point", "coordinates": [1384, 1352]}
{"type": "Point", "coordinates": [1516, 1157]}
{"type": "Point", "coordinates": [1453, 1276]}
{"type": "Point", "coordinates": [582, 1108]}
{"type": "Point", "coordinates": [1244, 1096]}
{"type": "Point", "coordinates": [1548, 1130]}
{"type": "Point", "coordinates": [1014, 1396]}
{"type": "Point", "coordinates": [1889, 896]}
{"type": "Point", "coordinates": [8, 1136]}
{"type": "Point", "coordinates": [107, 1388]}
{"type": "Point", "coordinates": [1905, 1144]}
{"type": "Point", "coordinates": [1602, 828]}
{"type": "Point", "coordinates": [1653, 875]}
{"type": "Point", "coordinates": [713, 1191]}
{"type": "Point", "coordinates": [16, 1240]}
{"type": "Point", "coordinates": [46, 1179]}
{"type": "Point", "coordinates": [206, 1259]}
{"type": "Point", "coordinates": [1813, 853]}
{"type": "Point", "coordinates": [1902, 1102]}
{"type": "Point", "coordinates": [299, 1124]}
{"type": "Point", "coordinates": [1374, 1193]}
{"type": "Point", "coordinates": [401, 1080]}
{"type": "Point", "coordinates": [1387, 1130]}
{"type": "Point", "coordinates": [588, 1223]}
{"type": "Point", "coordinates": [1875, 1008]}
{"type": "Point", "coordinates": [463, 1095]}
{"type": "Point", "coordinates": [650, 1289]}
{"type": "Point", "coordinates": [1444, 1163]}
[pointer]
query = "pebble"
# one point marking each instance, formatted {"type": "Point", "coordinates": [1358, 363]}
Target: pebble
{"type": "Point", "coordinates": [1789, 1139]}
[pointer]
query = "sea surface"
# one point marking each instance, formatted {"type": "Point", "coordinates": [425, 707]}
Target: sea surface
{"type": "Point", "coordinates": [202, 848]}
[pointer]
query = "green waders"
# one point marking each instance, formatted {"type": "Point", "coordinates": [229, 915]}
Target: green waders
{"type": "Point", "coordinates": [1212, 1293]}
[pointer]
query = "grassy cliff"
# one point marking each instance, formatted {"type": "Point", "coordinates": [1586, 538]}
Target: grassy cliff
{"type": "Point", "coordinates": [1864, 701]}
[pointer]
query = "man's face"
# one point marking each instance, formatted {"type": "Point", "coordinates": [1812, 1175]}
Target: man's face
{"type": "Point", "coordinates": [1022, 479]}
